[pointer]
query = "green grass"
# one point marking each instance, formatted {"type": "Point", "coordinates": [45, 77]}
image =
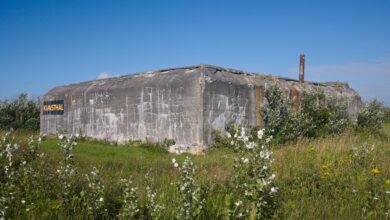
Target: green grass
{"type": "Point", "coordinates": [213, 168]}
{"type": "Point", "coordinates": [318, 179]}
{"type": "Point", "coordinates": [386, 128]}
{"type": "Point", "coordinates": [121, 161]}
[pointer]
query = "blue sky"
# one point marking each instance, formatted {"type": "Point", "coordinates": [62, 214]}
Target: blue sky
{"type": "Point", "coordinates": [48, 43]}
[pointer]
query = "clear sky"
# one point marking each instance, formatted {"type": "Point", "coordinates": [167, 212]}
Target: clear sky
{"type": "Point", "coordinates": [44, 44]}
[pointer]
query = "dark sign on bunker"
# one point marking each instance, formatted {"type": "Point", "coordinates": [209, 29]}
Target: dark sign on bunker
{"type": "Point", "coordinates": [55, 107]}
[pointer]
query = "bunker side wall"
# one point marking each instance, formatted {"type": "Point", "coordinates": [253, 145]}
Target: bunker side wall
{"type": "Point", "coordinates": [240, 99]}
{"type": "Point", "coordinates": [227, 98]}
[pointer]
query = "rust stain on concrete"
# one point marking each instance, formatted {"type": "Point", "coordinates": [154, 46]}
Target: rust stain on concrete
{"type": "Point", "coordinates": [294, 97]}
{"type": "Point", "coordinates": [259, 101]}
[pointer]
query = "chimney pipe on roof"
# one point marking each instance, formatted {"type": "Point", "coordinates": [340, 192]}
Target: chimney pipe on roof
{"type": "Point", "coordinates": [302, 68]}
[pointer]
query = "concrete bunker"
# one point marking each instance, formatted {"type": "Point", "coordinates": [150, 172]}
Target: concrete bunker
{"type": "Point", "coordinates": [184, 104]}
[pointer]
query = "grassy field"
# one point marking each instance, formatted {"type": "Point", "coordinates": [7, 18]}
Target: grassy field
{"type": "Point", "coordinates": [317, 179]}
{"type": "Point", "coordinates": [386, 128]}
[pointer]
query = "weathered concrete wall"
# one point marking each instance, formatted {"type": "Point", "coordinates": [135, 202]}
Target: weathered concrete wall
{"type": "Point", "coordinates": [227, 98]}
{"type": "Point", "coordinates": [184, 104]}
{"type": "Point", "coordinates": [231, 96]}
{"type": "Point", "coordinates": [148, 106]}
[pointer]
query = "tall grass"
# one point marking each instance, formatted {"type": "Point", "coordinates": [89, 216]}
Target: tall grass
{"type": "Point", "coordinates": [338, 177]}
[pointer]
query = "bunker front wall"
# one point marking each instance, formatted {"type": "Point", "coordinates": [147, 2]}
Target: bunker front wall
{"type": "Point", "coordinates": [141, 107]}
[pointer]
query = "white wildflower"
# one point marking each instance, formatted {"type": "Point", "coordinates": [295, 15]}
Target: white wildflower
{"type": "Point", "coordinates": [260, 133]}
{"type": "Point", "coordinates": [228, 135]}
{"type": "Point", "coordinates": [250, 145]}
{"type": "Point", "coordinates": [268, 139]}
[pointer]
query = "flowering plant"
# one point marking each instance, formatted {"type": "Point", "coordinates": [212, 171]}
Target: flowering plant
{"type": "Point", "coordinates": [130, 208]}
{"type": "Point", "coordinates": [254, 181]}
{"type": "Point", "coordinates": [67, 170]}
{"type": "Point", "coordinates": [94, 195]}
{"type": "Point", "coordinates": [190, 200]}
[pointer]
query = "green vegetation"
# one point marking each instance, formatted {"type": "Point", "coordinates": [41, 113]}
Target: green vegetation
{"type": "Point", "coordinates": [339, 177]}
{"type": "Point", "coordinates": [387, 114]}
{"type": "Point", "coordinates": [371, 117]}
{"type": "Point", "coordinates": [21, 113]}
{"type": "Point", "coordinates": [317, 116]}
{"type": "Point", "coordinates": [386, 128]}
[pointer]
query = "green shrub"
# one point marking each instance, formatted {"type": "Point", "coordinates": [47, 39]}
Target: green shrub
{"type": "Point", "coordinates": [220, 141]}
{"type": "Point", "coordinates": [372, 116]}
{"type": "Point", "coordinates": [168, 142]}
{"type": "Point", "coordinates": [317, 116]}
{"type": "Point", "coordinates": [21, 113]}
{"type": "Point", "coordinates": [277, 115]}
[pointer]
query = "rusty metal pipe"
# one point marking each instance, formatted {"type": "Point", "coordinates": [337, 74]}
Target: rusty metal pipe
{"type": "Point", "coordinates": [302, 68]}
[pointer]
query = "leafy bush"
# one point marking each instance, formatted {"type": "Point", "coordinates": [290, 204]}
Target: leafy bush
{"type": "Point", "coordinates": [168, 142]}
{"type": "Point", "coordinates": [220, 141]}
{"type": "Point", "coordinates": [317, 116]}
{"type": "Point", "coordinates": [21, 113]}
{"type": "Point", "coordinates": [339, 120]}
{"type": "Point", "coordinates": [372, 116]}
{"type": "Point", "coordinates": [278, 116]}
